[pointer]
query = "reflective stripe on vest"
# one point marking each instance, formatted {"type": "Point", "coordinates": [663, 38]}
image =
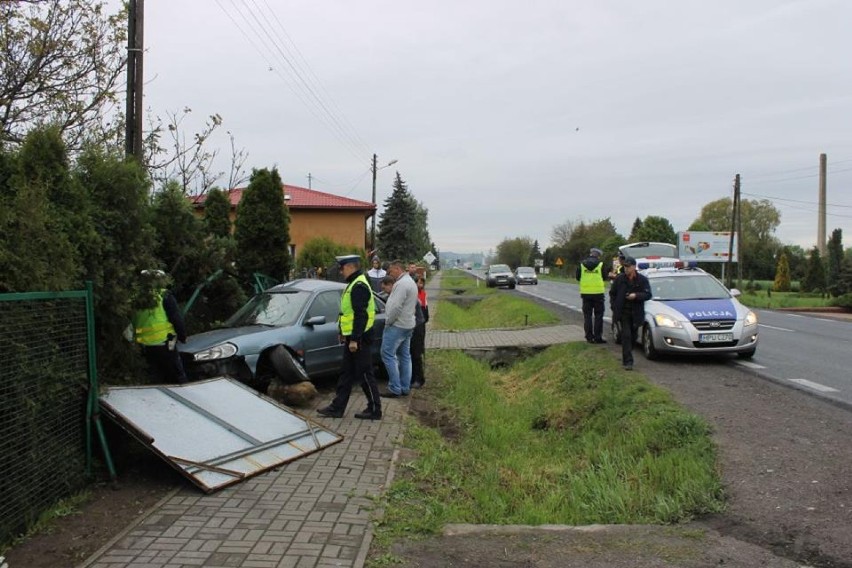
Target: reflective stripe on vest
{"type": "Point", "coordinates": [347, 314]}
{"type": "Point", "coordinates": [152, 325]}
{"type": "Point", "coordinates": [591, 281]}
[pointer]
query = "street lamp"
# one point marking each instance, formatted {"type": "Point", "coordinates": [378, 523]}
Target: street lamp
{"type": "Point", "coordinates": [375, 210]}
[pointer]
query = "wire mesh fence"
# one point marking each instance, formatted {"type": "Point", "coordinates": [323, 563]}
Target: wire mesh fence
{"type": "Point", "coordinates": [44, 380]}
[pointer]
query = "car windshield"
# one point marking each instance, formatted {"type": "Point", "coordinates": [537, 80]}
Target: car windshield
{"type": "Point", "coordinates": [271, 308]}
{"type": "Point", "coordinates": [697, 287]}
{"type": "Point", "coordinates": [500, 268]}
{"type": "Point", "coordinates": [643, 250]}
{"type": "Point", "coordinates": [525, 270]}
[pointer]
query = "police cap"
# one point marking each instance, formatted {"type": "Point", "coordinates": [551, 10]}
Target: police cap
{"type": "Point", "coordinates": [347, 259]}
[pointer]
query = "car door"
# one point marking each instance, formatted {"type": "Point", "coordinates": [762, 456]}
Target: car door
{"type": "Point", "coordinates": [323, 354]}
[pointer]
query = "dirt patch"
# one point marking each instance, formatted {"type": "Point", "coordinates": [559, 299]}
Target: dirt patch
{"type": "Point", "coordinates": [111, 508]}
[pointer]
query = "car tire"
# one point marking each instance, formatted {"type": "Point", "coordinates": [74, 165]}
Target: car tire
{"type": "Point", "coordinates": [648, 348]}
{"type": "Point", "coordinates": [747, 354]}
{"type": "Point", "coordinates": [616, 332]}
{"type": "Point", "coordinates": [511, 286]}
{"type": "Point", "coordinates": [286, 368]}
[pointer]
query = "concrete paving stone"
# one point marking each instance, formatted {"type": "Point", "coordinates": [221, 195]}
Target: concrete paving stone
{"type": "Point", "coordinates": [232, 548]}
{"type": "Point", "coordinates": [305, 549]}
{"type": "Point", "coordinates": [226, 560]}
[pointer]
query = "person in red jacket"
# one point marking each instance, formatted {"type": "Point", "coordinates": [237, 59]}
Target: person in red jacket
{"type": "Point", "coordinates": [418, 340]}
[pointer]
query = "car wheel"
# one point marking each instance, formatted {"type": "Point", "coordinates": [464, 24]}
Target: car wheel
{"type": "Point", "coordinates": [616, 332]}
{"type": "Point", "coordinates": [648, 348]}
{"type": "Point", "coordinates": [286, 368]}
{"type": "Point", "coordinates": [747, 354]}
{"type": "Point", "coordinates": [511, 286]}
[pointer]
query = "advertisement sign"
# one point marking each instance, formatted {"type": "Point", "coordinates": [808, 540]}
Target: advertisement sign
{"type": "Point", "coordinates": [706, 246]}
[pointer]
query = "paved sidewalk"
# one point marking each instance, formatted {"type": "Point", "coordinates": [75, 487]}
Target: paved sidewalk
{"type": "Point", "coordinates": [314, 512]}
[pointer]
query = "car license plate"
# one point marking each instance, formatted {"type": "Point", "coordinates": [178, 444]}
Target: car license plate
{"type": "Point", "coordinates": [715, 337]}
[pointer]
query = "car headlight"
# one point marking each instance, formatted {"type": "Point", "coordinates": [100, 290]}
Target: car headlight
{"type": "Point", "coordinates": [751, 318]}
{"type": "Point", "coordinates": [221, 351]}
{"type": "Point", "coordinates": [663, 320]}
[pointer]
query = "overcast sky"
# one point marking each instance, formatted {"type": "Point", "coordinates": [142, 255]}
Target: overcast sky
{"type": "Point", "coordinates": [508, 118]}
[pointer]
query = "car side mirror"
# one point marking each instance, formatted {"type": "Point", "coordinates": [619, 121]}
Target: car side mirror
{"type": "Point", "coordinates": [736, 293]}
{"type": "Point", "coordinates": [316, 320]}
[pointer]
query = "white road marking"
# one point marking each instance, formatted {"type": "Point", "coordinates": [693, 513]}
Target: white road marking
{"type": "Point", "coordinates": [813, 385]}
{"type": "Point", "coordinates": [749, 364]}
{"type": "Point", "coordinates": [774, 327]}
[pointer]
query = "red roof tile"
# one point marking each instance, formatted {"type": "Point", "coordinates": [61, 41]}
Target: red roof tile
{"type": "Point", "coordinates": [300, 198]}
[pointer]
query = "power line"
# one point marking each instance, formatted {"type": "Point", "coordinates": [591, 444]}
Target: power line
{"type": "Point", "coordinates": [793, 200]}
{"type": "Point", "coordinates": [296, 87]}
{"type": "Point", "coordinates": [803, 169]}
{"type": "Point", "coordinates": [299, 57]}
{"type": "Point", "coordinates": [263, 24]}
{"type": "Point", "coordinates": [809, 176]}
{"type": "Point", "coordinates": [799, 207]}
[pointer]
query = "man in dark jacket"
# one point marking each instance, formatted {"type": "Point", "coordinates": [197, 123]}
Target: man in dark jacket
{"type": "Point", "coordinates": [592, 280]}
{"type": "Point", "coordinates": [630, 291]}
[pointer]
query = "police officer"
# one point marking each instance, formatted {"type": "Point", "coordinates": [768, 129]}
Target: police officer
{"type": "Point", "coordinates": [592, 287]}
{"type": "Point", "coordinates": [357, 314]}
{"type": "Point", "coordinates": [158, 328]}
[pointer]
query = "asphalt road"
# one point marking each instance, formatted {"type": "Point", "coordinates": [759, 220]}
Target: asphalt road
{"type": "Point", "coordinates": [802, 351]}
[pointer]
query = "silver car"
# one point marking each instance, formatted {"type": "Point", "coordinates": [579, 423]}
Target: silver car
{"type": "Point", "coordinates": [526, 275]}
{"type": "Point", "coordinates": [288, 331]}
{"type": "Point", "coordinates": [499, 275]}
{"type": "Point", "coordinates": [692, 312]}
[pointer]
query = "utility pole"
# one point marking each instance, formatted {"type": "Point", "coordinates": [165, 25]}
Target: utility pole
{"type": "Point", "coordinates": [375, 209]}
{"type": "Point", "coordinates": [309, 180]}
{"type": "Point", "coordinates": [823, 164]}
{"type": "Point", "coordinates": [739, 234]}
{"type": "Point", "coordinates": [734, 214]}
{"type": "Point", "coordinates": [133, 109]}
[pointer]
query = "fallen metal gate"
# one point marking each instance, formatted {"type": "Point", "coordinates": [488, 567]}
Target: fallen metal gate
{"type": "Point", "coordinates": [215, 432]}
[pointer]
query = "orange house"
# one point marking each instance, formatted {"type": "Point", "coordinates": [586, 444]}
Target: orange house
{"type": "Point", "coordinates": [314, 214]}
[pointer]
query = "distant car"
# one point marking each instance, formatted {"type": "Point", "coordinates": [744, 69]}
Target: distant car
{"type": "Point", "coordinates": [692, 312]}
{"type": "Point", "coordinates": [289, 331]}
{"type": "Point", "coordinates": [499, 275]}
{"type": "Point", "coordinates": [526, 275]}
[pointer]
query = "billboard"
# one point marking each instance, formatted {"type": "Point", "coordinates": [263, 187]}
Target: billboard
{"type": "Point", "coordinates": [706, 246]}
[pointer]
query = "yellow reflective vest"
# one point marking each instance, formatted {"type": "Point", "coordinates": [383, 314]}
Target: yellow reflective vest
{"type": "Point", "coordinates": [347, 314]}
{"type": "Point", "coordinates": [591, 281]}
{"type": "Point", "coordinates": [152, 325]}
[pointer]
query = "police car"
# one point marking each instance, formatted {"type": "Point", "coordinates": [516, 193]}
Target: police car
{"type": "Point", "coordinates": [693, 312]}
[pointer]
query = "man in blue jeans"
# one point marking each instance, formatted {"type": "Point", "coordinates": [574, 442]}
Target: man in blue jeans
{"type": "Point", "coordinates": [399, 327]}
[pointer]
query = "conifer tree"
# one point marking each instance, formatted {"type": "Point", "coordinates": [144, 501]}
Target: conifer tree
{"type": "Point", "coordinates": [262, 229]}
{"type": "Point", "coordinates": [179, 240]}
{"type": "Point", "coordinates": [395, 238]}
{"type": "Point", "coordinates": [782, 275]}
{"type": "Point", "coordinates": [217, 209]}
{"type": "Point", "coordinates": [834, 260]}
{"type": "Point", "coordinates": [634, 230]}
{"type": "Point", "coordinates": [814, 280]}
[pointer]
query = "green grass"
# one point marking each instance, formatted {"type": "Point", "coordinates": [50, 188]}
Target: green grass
{"type": "Point", "coordinates": [460, 283]}
{"type": "Point", "coordinates": [493, 311]}
{"type": "Point", "coordinates": [762, 299]}
{"type": "Point", "coordinates": [564, 437]}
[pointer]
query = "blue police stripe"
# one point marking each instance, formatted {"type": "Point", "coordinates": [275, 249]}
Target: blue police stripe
{"type": "Point", "coordinates": [699, 310]}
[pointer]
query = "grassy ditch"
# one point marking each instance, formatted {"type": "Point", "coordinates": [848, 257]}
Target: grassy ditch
{"type": "Point", "coordinates": [563, 437]}
{"type": "Point", "coordinates": [494, 311]}
{"type": "Point", "coordinates": [491, 311]}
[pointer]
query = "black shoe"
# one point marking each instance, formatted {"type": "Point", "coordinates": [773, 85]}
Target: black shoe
{"type": "Point", "coordinates": [600, 340]}
{"type": "Point", "coordinates": [330, 412]}
{"type": "Point", "coordinates": [628, 367]}
{"type": "Point", "coordinates": [590, 340]}
{"type": "Point", "coordinates": [389, 394]}
{"type": "Point", "coordinates": [368, 415]}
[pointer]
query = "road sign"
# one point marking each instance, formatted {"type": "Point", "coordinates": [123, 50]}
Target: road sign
{"type": "Point", "coordinates": [539, 262]}
{"type": "Point", "coordinates": [429, 257]}
{"type": "Point", "coordinates": [559, 262]}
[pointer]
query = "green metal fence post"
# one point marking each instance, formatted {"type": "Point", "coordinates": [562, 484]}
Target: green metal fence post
{"type": "Point", "coordinates": [93, 406]}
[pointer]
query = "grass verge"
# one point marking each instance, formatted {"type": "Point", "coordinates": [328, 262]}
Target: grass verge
{"type": "Point", "coordinates": [494, 311]}
{"type": "Point", "coordinates": [563, 437]}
